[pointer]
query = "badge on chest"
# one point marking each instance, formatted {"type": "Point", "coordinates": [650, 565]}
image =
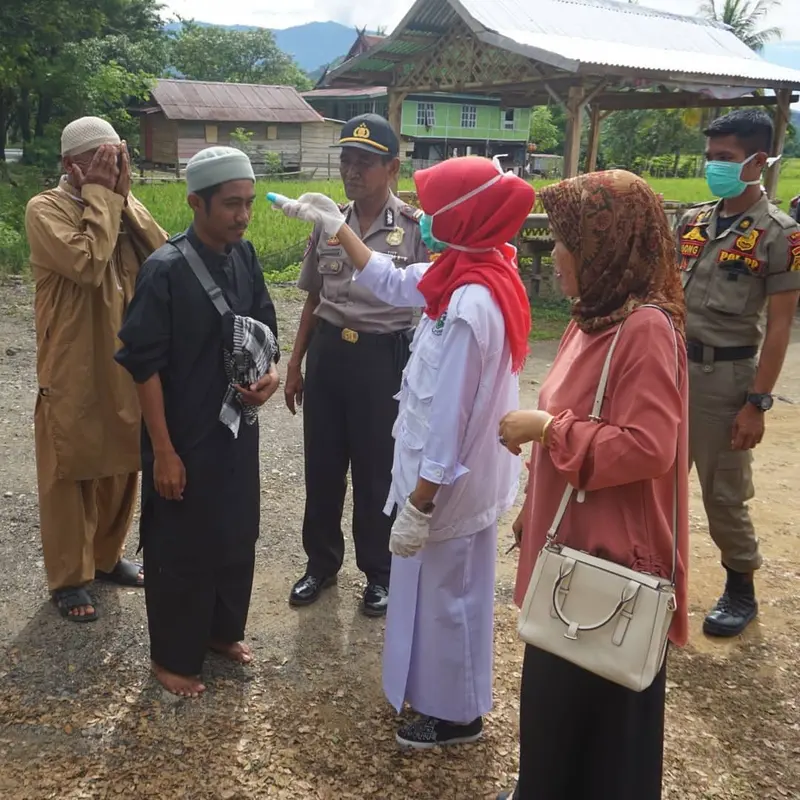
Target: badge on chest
{"type": "Point", "coordinates": [693, 241]}
{"type": "Point", "coordinates": [438, 326]}
{"type": "Point", "coordinates": [742, 251]}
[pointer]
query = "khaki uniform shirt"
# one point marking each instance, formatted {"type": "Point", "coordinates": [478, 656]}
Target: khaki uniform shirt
{"type": "Point", "coordinates": [86, 250]}
{"type": "Point", "coordinates": [727, 277]}
{"type": "Point", "coordinates": [328, 272]}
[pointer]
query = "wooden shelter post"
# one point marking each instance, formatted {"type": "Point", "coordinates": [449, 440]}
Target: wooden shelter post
{"type": "Point", "coordinates": [572, 142]}
{"type": "Point", "coordinates": [782, 116]}
{"type": "Point", "coordinates": [594, 138]}
{"type": "Point", "coordinates": [396, 118]}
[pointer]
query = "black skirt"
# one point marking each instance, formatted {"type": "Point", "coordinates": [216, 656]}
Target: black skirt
{"type": "Point", "coordinates": [585, 738]}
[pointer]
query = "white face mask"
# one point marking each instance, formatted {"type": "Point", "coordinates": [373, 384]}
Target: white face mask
{"type": "Point", "coordinates": [468, 196]}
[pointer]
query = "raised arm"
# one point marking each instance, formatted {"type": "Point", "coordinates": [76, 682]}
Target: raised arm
{"type": "Point", "coordinates": [394, 285]}
{"type": "Point", "coordinates": [79, 254]}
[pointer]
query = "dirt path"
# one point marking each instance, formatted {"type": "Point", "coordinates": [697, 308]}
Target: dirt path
{"type": "Point", "coordinates": [80, 717]}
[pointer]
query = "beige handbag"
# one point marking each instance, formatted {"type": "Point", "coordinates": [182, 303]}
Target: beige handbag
{"type": "Point", "coordinates": [605, 618]}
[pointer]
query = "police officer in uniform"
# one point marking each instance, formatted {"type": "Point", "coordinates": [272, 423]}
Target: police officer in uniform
{"type": "Point", "coordinates": [356, 348]}
{"type": "Point", "coordinates": [738, 257]}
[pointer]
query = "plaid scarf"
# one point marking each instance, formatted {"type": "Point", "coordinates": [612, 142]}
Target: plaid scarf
{"type": "Point", "coordinates": [250, 348]}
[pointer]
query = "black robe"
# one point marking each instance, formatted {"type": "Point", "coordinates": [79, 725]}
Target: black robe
{"type": "Point", "coordinates": [199, 552]}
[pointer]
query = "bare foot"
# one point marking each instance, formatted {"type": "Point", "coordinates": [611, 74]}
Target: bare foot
{"type": "Point", "coordinates": [235, 651]}
{"type": "Point", "coordinates": [181, 685]}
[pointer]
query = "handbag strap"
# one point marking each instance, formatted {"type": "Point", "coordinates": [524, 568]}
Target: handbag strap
{"type": "Point", "coordinates": [595, 416]}
{"type": "Point", "coordinates": [184, 246]}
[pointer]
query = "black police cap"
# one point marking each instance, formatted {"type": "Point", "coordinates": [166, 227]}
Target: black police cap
{"type": "Point", "coordinates": [372, 133]}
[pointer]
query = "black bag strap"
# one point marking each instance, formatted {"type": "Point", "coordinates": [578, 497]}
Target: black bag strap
{"type": "Point", "coordinates": [185, 248]}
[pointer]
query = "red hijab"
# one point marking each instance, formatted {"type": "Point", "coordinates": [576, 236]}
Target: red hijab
{"type": "Point", "coordinates": [486, 221]}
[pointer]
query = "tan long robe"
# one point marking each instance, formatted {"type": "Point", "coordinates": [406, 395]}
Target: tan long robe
{"type": "Point", "coordinates": [86, 251]}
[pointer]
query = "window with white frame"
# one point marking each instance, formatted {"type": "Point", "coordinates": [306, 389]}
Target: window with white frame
{"type": "Point", "coordinates": [508, 119]}
{"type": "Point", "coordinates": [469, 116]}
{"type": "Point", "coordinates": [426, 115]}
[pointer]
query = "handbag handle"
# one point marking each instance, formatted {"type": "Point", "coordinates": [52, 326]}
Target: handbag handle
{"type": "Point", "coordinates": [595, 416]}
{"type": "Point", "coordinates": [627, 595]}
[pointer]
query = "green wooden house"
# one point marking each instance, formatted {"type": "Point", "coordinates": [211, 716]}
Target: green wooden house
{"type": "Point", "coordinates": [438, 125]}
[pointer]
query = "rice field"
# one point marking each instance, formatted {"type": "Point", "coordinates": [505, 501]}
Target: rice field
{"type": "Point", "coordinates": [280, 241]}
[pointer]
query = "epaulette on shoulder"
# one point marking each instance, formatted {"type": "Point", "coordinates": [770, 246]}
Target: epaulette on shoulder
{"type": "Point", "coordinates": [706, 204]}
{"type": "Point", "coordinates": [409, 212]}
{"type": "Point", "coordinates": [781, 217]}
{"type": "Point", "coordinates": [698, 212]}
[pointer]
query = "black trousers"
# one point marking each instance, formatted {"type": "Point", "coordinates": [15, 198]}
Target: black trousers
{"type": "Point", "coordinates": [585, 738]}
{"type": "Point", "coordinates": [199, 552]}
{"type": "Point", "coordinates": [348, 413]}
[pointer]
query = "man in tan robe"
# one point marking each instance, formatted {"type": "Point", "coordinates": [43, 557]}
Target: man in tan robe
{"type": "Point", "coordinates": [88, 237]}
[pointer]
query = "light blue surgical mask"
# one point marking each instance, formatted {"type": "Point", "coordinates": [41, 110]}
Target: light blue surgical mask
{"type": "Point", "coordinates": [724, 178]}
{"type": "Point", "coordinates": [426, 231]}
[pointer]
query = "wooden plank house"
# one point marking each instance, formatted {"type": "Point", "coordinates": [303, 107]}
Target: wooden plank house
{"type": "Point", "coordinates": [184, 117]}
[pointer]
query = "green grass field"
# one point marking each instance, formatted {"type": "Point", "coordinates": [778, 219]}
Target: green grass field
{"type": "Point", "coordinates": [280, 241]}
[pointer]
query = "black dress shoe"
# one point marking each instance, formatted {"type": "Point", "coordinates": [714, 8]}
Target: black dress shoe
{"type": "Point", "coordinates": [308, 589]}
{"type": "Point", "coordinates": [735, 610]}
{"type": "Point", "coordinates": [376, 600]}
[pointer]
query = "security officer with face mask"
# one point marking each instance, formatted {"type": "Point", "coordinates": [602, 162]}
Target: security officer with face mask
{"type": "Point", "coordinates": [738, 257]}
{"type": "Point", "coordinates": [355, 348]}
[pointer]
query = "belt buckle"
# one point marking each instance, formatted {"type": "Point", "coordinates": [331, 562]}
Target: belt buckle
{"type": "Point", "coordinates": [349, 335]}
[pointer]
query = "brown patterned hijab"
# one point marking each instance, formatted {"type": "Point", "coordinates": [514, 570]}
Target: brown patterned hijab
{"type": "Point", "coordinates": [616, 228]}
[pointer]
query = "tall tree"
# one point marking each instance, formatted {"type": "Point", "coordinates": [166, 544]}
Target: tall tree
{"type": "Point", "coordinates": [746, 18]}
{"type": "Point", "coordinates": [209, 53]}
{"type": "Point", "coordinates": [544, 133]}
{"type": "Point", "coordinates": [59, 58]}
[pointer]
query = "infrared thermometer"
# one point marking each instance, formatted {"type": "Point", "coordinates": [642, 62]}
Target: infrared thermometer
{"type": "Point", "coordinates": [277, 200]}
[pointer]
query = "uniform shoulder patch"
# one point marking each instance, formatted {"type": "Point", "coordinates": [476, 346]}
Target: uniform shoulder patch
{"type": "Point", "coordinates": [782, 218]}
{"type": "Point", "coordinates": [794, 251]}
{"type": "Point", "coordinates": [414, 214]}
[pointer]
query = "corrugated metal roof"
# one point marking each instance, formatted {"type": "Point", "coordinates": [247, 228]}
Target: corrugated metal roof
{"type": "Point", "coordinates": [367, 92]}
{"type": "Point", "coordinates": [576, 35]}
{"type": "Point", "coordinates": [232, 102]}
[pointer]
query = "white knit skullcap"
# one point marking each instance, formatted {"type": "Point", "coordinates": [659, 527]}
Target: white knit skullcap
{"type": "Point", "coordinates": [87, 133]}
{"type": "Point", "coordinates": [216, 165]}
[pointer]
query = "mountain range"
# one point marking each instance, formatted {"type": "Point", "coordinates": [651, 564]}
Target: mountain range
{"type": "Point", "coordinates": [313, 45]}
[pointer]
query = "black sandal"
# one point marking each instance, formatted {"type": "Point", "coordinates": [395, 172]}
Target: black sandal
{"type": "Point", "coordinates": [125, 573]}
{"type": "Point", "coordinates": [72, 597]}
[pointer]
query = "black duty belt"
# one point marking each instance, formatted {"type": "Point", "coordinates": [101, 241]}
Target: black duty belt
{"type": "Point", "coordinates": [695, 352]}
{"type": "Point", "coordinates": [355, 337]}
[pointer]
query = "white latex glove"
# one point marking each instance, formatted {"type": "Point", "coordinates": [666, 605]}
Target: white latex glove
{"type": "Point", "coordinates": [409, 532]}
{"type": "Point", "coordinates": [316, 208]}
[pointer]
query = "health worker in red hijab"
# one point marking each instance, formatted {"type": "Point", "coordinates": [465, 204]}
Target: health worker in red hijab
{"type": "Point", "coordinates": [451, 478]}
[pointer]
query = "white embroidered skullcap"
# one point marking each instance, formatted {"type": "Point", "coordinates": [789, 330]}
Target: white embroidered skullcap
{"type": "Point", "coordinates": [87, 133]}
{"type": "Point", "coordinates": [216, 165]}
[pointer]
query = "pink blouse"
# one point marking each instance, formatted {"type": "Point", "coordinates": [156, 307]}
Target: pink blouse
{"type": "Point", "coordinates": [626, 463]}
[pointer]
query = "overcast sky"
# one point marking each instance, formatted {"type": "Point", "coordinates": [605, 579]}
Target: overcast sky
{"type": "Point", "coordinates": [286, 13]}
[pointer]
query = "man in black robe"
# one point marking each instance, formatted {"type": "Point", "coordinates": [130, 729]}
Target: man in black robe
{"type": "Point", "coordinates": [200, 473]}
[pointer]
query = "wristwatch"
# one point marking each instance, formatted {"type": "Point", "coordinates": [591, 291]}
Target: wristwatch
{"type": "Point", "coordinates": [763, 402]}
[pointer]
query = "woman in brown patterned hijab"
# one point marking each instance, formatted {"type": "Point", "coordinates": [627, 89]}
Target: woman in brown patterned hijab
{"type": "Point", "coordinates": [614, 226]}
{"type": "Point", "coordinates": [583, 736]}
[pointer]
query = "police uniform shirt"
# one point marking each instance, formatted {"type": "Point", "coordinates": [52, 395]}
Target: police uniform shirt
{"type": "Point", "coordinates": [327, 271]}
{"type": "Point", "coordinates": [729, 267]}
